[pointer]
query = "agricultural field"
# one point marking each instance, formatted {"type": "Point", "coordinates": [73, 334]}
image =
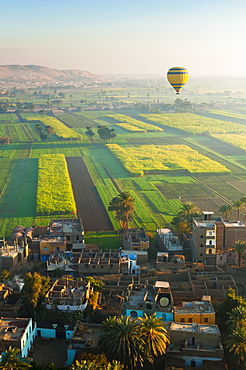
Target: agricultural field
{"type": "Point", "coordinates": [75, 120]}
{"type": "Point", "coordinates": [6, 118]}
{"type": "Point", "coordinates": [148, 158]}
{"type": "Point", "coordinates": [89, 204]}
{"type": "Point", "coordinates": [196, 124]}
{"type": "Point", "coordinates": [60, 129]}
{"type": "Point", "coordinates": [54, 192]}
{"type": "Point", "coordinates": [162, 159]}
{"type": "Point", "coordinates": [125, 121]}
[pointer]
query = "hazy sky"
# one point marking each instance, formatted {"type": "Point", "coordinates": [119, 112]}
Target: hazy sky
{"type": "Point", "coordinates": [126, 36]}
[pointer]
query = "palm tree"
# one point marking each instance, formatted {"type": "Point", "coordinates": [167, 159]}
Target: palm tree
{"type": "Point", "coordinates": [226, 209]}
{"type": "Point", "coordinates": [154, 336]}
{"type": "Point", "coordinates": [186, 214]}
{"type": "Point", "coordinates": [237, 318]}
{"type": "Point", "coordinates": [123, 206]}
{"type": "Point", "coordinates": [94, 365]}
{"type": "Point", "coordinates": [239, 247]}
{"type": "Point", "coordinates": [11, 361]}
{"type": "Point", "coordinates": [121, 340]}
{"type": "Point", "coordinates": [238, 204]}
{"type": "Point", "coordinates": [237, 345]}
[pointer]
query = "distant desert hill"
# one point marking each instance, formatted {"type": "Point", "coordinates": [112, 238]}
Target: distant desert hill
{"type": "Point", "coordinates": [32, 74]}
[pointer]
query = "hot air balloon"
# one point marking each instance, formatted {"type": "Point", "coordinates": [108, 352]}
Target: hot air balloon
{"type": "Point", "coordinates": [177, 77]}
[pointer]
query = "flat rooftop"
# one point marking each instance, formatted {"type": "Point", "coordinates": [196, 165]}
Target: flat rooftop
{"type": "Point", "coordinates": [213, 329]}
{"type": "Point", "coordinates": [195, 307]}
{"type": "Point", "coordinates": [66, 225]}
{"type": "Point", "coordinates": [12, 329]}
{"type": "Point", "coordinates": [234, 224]}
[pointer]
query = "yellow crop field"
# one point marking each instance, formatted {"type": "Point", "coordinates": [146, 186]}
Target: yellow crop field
{"type": "Point", "coordinates": [134, 122]}
{"type": "Point", "coordinates": [129, 127]}
{"type": "Point", "coordinates": [164, 157]}
{"type": "Point", "coordinates": [196, 124]}
{"type": "Point", "coordinates": [60, 129]}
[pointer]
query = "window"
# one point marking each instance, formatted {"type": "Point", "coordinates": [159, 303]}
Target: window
{"type": "Point", "coordinates": [182, 319]}
{"type": "Point", "coordinates": [210, 242]}
{"type": "Point", "coordinates": [201, 236]}
{"type": "Point", "coordinates": [149, 306]}
{"type": "Point", "coordinates": [77, 237]}
{"type": "Point", "coordinates": [221, 258]}
{"type": "Point", "coordinates": [201, 245]}
{"type": "Point", "coordinates": [68, 237]}
{"type": "Point", "coordinates": [58, 249]}
{"type": "Point", "coordinates": [45, 248]}
{"type": "Point", "coordinates": [210, 251]}
{"type": "Point", "coordinates": [201, 254]}
{"type": "Point", "coordinates": [164, 316]}
{"type": "Point", "coordinates": [133, 314]}
{"type": "Point", "coordinates": [210, 233]}
{"type": "Point", "coordinates": [190, 319]}
{"type": "Point", "coordinates": [205, 319]}
{"type": "Point", "coordinates": [102, 266]}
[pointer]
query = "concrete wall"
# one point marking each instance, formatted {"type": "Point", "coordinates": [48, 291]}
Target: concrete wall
{"type": "Point", "coordinates": [46, 333]}
{"type": "Point", "coordinates": [27, 338]}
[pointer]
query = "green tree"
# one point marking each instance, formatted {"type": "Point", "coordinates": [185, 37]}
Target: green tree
{"type": "Point", "coordinates": [226, 209]}
{"type": "Point", "coordinates": [11, 361]}
{"type": "Point", "coordinates": [95, 283]}
{"type": "Point", "coordinates": [94, 365]}
{"type": "Point", "coordinates": [154, 336]}
{"type": "Point", "coordinates": [105, 133]}
{"type": "Point", "coordinates": [237, 318]}
{"type": "Point", "coordinates": [121, 340]}
{"type": "Point", "coordinates": [34, 290]}
{"type": "Point", "coordinates": [89, 132]}
{"type": "Point", "coordinates": [237, 345]}
{"type": "Point", "coordinates": [239, 247]}
{"type": "Point", "coordinates": [5, 275]}
{"type": "Point", "coordinates": [183, 221]}
{"type": "Point", "coordinates": [238, 205]}
{"type": "Point", "coordinates": [123, 207]}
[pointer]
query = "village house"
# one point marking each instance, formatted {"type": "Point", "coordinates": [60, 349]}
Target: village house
{"type": "Point", "coordinates": [194, 343]}
{"type": "Point", "coordinates": [59, 236]}
{"type": "Point", "coordinates": [135, 239]}
{"type": "Point", "coordinates": [84, 339]}
{"type": "Point", "coordinates": [211, 234]}
{"type": "Point", "coordinates": [68, 295]}
{"type": "Point", "coordinates": [201, 312]}
{"type": "Point", "coordinates": [17, 333]}
{"type": "Point", "coordinates": [149, 299]}
{"type": "Point", "coordinates": [13, 257]}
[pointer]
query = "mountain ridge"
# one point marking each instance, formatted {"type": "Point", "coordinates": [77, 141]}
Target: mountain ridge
{"type": "Point", "coordinates": [35, 74]}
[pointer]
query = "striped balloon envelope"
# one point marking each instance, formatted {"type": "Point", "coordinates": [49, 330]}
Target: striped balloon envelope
{"type": "Point", "coordinates": [177, 77]}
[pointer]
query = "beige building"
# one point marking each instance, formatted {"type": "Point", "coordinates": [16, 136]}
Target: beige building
{"type": "Point", "coordinates": [211, 234]}
{"type": "Point", "coordinates": [195, 343]}
{"type": "Point", "coordinates": [135, 239]}
{"type": "Point", "coordinates": [102, 262]}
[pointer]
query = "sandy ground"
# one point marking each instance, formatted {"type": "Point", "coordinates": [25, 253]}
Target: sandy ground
{"type": "Point", "coordinates": [46, 351]}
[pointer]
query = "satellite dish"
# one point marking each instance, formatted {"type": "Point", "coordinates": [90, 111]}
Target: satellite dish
{"type": "Point", "coordinates": [164, 301]}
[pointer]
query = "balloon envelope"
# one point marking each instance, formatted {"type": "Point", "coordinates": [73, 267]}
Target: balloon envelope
{"type": "Point", "coordinates": [177, 77]}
